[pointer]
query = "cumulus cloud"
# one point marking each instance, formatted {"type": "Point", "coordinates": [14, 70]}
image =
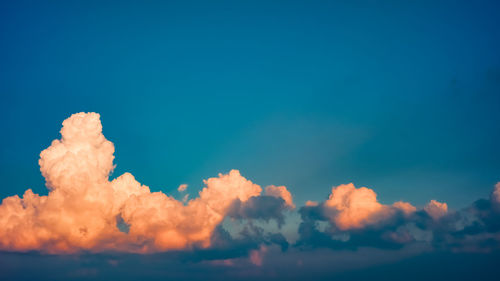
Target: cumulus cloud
{"type": "Point", "coordinates": [82, 208]}
{"type": "Point", "coordinates": [281, 192]}
{"type": "Point", "coordinates": [405, 207]}
{"type": "Point", "coordinates": [86, 211]}
{"type": "Point", "coordinates": [352, 217]}
{"type": "Point", "coordinates": [436, 209]}
{"type": "Point", "coordinates": [350, 208]}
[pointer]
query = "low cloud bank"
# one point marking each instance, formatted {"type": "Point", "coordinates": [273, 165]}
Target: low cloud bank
{"type": "Point", "coordinates": [352, 218]}
{"type": "Point", "coordinates": [85, 211]}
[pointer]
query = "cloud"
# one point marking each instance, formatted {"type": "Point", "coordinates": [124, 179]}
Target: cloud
{"type": "Point", "coordinates": [349, 207]}
{"type": "Point", "coordinates": [281, 192]}
{"type": "Point", "coordinates": [436, 209]}
{"type": "Point", "coordinates": [352, 218]}
{"type": "Point", "coordinates": [83, 206]}
{"type": "Point", "coordinates": [86, 211]}
{"type": "Point", "coordinates": [182, 187]}
{"type": "Point", "coordinates": [264, 208]}
{"type": "Point", "coordinates": [271, 206]}
{"type": "Point", "coordinates": [495, 197]}
{"type": "Point", "coordinates": [310, 203]}
{"type": "Point", "coordinates": [405, 207]}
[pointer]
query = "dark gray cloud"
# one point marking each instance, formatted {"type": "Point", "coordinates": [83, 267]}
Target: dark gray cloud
{"type": "Point", "coordinates": [263, 207]}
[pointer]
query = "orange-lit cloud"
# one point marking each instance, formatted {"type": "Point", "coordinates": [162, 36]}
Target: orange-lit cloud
{"type": "Point", "coordinates": [310, 203]}
{"type": "Point", "coordinates": [496, 193]}
{"type": "Point", "coordinates": [349, 207]}
{"type": "Point", "coordinates": [405, 207]}
{"type": "Point", "coordinates": [436, 209]}
{"type": "Point", "coordinates": [182, 187]}
{"type": "Point", "coordinates": [82, 208]}
{"type": "Point", "coordinates": [281, 192]}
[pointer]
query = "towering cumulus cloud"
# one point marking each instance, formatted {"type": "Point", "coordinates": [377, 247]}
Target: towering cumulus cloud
{"type": "Point", "coordinates": [86, 211]}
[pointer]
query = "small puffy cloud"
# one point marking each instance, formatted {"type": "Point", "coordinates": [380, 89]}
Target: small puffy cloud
{"type": "Point", "coordinates": [350, 207]}
{"type": "Point", "coordinates": [182, 187]}
{"type": "Point", "coordinates": [436, 209]}
{"type": "Point", "coordinates": [405, 207]}
{"type": "Point", "coordinates": [310, 203]}
{"type": "Point", "coordinates": [280, 192]}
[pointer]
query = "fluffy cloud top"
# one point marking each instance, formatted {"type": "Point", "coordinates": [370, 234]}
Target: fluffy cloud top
{"type": "Point", "coordinates": [82, 208]}
{"type": "Point", "coordinates": [405, 207]}
{"type": "Point", "coordinates": [281, 192]}
{"type": "Point", "coordinates": [436, 209]}
{"type": "Point", "coordinates": [349, 207]}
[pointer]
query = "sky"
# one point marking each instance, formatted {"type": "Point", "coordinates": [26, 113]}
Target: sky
{"type": "Point", "coordinates": [228, 98]}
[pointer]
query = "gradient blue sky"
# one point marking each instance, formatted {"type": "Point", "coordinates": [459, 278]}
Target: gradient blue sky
{"type": "Point", "coordinates": [399, 96]}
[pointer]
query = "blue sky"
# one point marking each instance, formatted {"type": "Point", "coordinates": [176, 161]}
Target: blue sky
{"type": "Point", "coordinates": [398, 96]}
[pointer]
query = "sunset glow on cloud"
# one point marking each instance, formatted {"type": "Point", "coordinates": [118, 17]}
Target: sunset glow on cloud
{"type": "Point", "coordinates": [496, 193]}
{"type": "Point", "coordinates": [82, 208]}
{"type": "Point", "coordinates": [436, 209]}
{"type": "Point", "coordinates": [353, 207]}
